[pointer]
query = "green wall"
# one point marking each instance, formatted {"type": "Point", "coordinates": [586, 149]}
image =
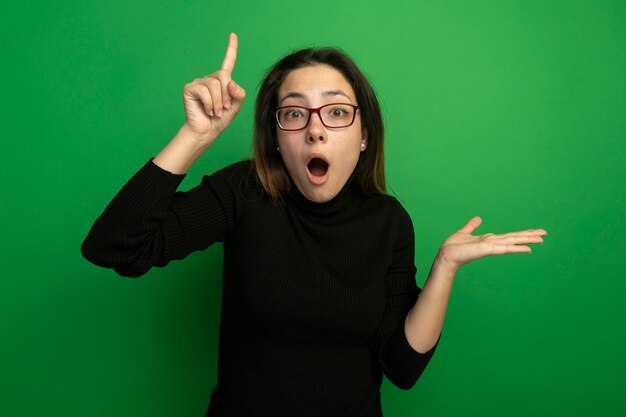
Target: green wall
{"type": "Point", "coordinates": [512, 110]}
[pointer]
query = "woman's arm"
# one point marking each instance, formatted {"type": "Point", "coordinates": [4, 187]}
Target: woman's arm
{"type": "Point", "coordinates": [424, 321]}
{"type": "Point", "coordinates": [148, 223]}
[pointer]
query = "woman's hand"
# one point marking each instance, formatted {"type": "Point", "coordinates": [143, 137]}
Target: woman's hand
{"type": "Point", "coordinates": [463, 247]}
{"type": "Point", "coordinates": [212, 102]}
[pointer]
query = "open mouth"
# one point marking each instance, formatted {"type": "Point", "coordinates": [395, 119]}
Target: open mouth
{"type": "Point", "coordinates": [317, 167]}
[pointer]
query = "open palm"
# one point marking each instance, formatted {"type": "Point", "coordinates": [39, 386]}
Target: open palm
{"type": "Point", "coordinates": [463, 247]}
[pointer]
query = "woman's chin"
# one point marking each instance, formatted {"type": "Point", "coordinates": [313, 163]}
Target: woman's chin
{"type": "Point", "coordinates": [318, 193]}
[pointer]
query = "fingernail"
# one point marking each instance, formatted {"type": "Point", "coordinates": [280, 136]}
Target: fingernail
{"type": "Point", "coordinates": [211, 113]}
{"type": "Point", "coordinates": [227, 104]}
{"type": "Point", "coordinates": [220, 112]}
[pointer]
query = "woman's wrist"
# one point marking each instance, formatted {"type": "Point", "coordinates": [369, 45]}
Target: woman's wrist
{"type": "Point", "coordinates": [182, 151]}
{"type": "Point", "coordinates": [442, 267]}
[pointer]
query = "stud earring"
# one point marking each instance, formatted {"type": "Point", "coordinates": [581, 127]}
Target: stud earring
{"type": "Point", "coordinates": [278, 148]}
{"type": "Point", "coordinates": [362, 146]}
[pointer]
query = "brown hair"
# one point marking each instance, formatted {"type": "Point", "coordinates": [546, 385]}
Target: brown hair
{"type": "Point", "coordinates": [370, 169]}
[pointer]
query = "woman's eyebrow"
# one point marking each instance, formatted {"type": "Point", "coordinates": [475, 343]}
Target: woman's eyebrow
{"type": "Point", "coordinates": [329, 93]}
{"type": "Point", "coordinates": [336, 93]}
{"type": "Point", "coordinates": [293, 94]}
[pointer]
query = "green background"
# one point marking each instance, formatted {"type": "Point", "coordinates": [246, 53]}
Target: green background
{"type": "Point", "coordinates": [512, 110]}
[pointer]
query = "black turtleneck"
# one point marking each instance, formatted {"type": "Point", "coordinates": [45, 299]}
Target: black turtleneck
{"type": "Point", "coordinates": [314, 295]}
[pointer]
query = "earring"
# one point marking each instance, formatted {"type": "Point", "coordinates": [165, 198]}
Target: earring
{"type": "Point", "coordinates": [362, 146]}
{"type": "Point", "coordinates": [278, 148]}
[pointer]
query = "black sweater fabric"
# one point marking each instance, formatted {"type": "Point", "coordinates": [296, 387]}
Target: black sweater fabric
{"type": "Point", "coordinates": [314, 295]}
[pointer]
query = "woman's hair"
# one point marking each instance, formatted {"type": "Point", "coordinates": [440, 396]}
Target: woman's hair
{"type": "Point", "coordinates": [370, 169]}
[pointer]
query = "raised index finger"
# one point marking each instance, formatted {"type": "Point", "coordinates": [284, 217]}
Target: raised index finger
{"type": "Point", "coordinates": [231, 53]}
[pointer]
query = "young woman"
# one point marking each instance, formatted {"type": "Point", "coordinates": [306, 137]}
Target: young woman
{"type": "Point", "coordinates": [319, 293]}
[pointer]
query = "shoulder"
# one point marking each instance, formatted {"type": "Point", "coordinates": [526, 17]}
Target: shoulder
{"type": "Point", "coordinates": [231, 172]}
{"type": "Point", "coordinates": [399, 223]}
{"type": "Point", "coordinates": [391, 206]}
{"type": "Point", "coordinates": [402, 215]}
{"type": "Point", "coordinates": [238, 178]}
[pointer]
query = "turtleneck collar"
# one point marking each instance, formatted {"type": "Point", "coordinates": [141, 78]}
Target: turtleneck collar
{"type": "Point", "coordinates": [334, 208]}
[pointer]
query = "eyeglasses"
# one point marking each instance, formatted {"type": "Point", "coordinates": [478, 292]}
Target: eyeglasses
{"type": "Point", "coordinates": [332, 115]}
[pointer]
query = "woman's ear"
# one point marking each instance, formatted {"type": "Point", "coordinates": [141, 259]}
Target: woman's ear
{"type": "Point", "coordinates": [363, 139]}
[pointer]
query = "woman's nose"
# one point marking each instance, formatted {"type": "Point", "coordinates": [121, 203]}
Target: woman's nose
{"type": "Point", "coordinates": [316, 131]}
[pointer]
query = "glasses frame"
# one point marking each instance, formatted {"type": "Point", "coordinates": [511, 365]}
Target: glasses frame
{"type": "Point", "coordinates": [316, 110]}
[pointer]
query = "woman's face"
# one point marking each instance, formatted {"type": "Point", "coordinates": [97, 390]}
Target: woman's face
{"type": "Point", "coordinates": [319, 159]}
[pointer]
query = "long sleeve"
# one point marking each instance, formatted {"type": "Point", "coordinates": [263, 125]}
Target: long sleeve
{"type": "Point", "coordinates": [401, 364]}
{"type": "Point", "coordinates": [148, 223]}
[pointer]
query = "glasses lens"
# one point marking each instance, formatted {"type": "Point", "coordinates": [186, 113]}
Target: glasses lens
{"type": "Point", "coordinates": [292, 118]}
{"type": "Point", "coordinates": [337, 115]}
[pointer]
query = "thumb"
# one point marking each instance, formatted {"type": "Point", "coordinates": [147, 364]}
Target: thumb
{"type": "Point", "coordinates": [237, 93]}
{"type": "Point", "coordinates": [471, 225]}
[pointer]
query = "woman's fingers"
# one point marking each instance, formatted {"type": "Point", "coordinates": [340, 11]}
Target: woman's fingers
{"type": "Point", "coordinates": [518, 240]}
{"type": "Point", "coordinates": [199, 97]}
{"type": "Point", "coordinates": [228, 64]}
{"type": "Point", "coordinates": [498, 245]}
{"type": "Point", "coordinates": [238, 94]}
{"type": "Point", "coordinates": [471, 225]}
{"type": "Point", "coordinates": [529, 232]}
{"type": "Point", "coordinates": [225, 79]}
{"type": "Point", "coordinates": [212, 102]}
{"type": "Point", "coordinates": [208, 92]}
{"type": "Point", "coordinates": [205, 97]}
{"type": "Point", "coordinates": [215, 89]}
{"type": "Point", "coordinates": [217, 83]}
{"type": "Point", "coordinates": [504, 249]}
{"type": "Point", "coordinates": [215, 93]}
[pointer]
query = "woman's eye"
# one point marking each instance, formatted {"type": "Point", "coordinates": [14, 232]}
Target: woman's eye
{"type": "Point", "coordinates": [294, 114]}
{"type": "Point", "coordinates": [339, 112]}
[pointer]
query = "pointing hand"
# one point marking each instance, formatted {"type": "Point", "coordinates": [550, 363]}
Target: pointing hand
{"type": "Point", "coordinates": [212, 102]}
